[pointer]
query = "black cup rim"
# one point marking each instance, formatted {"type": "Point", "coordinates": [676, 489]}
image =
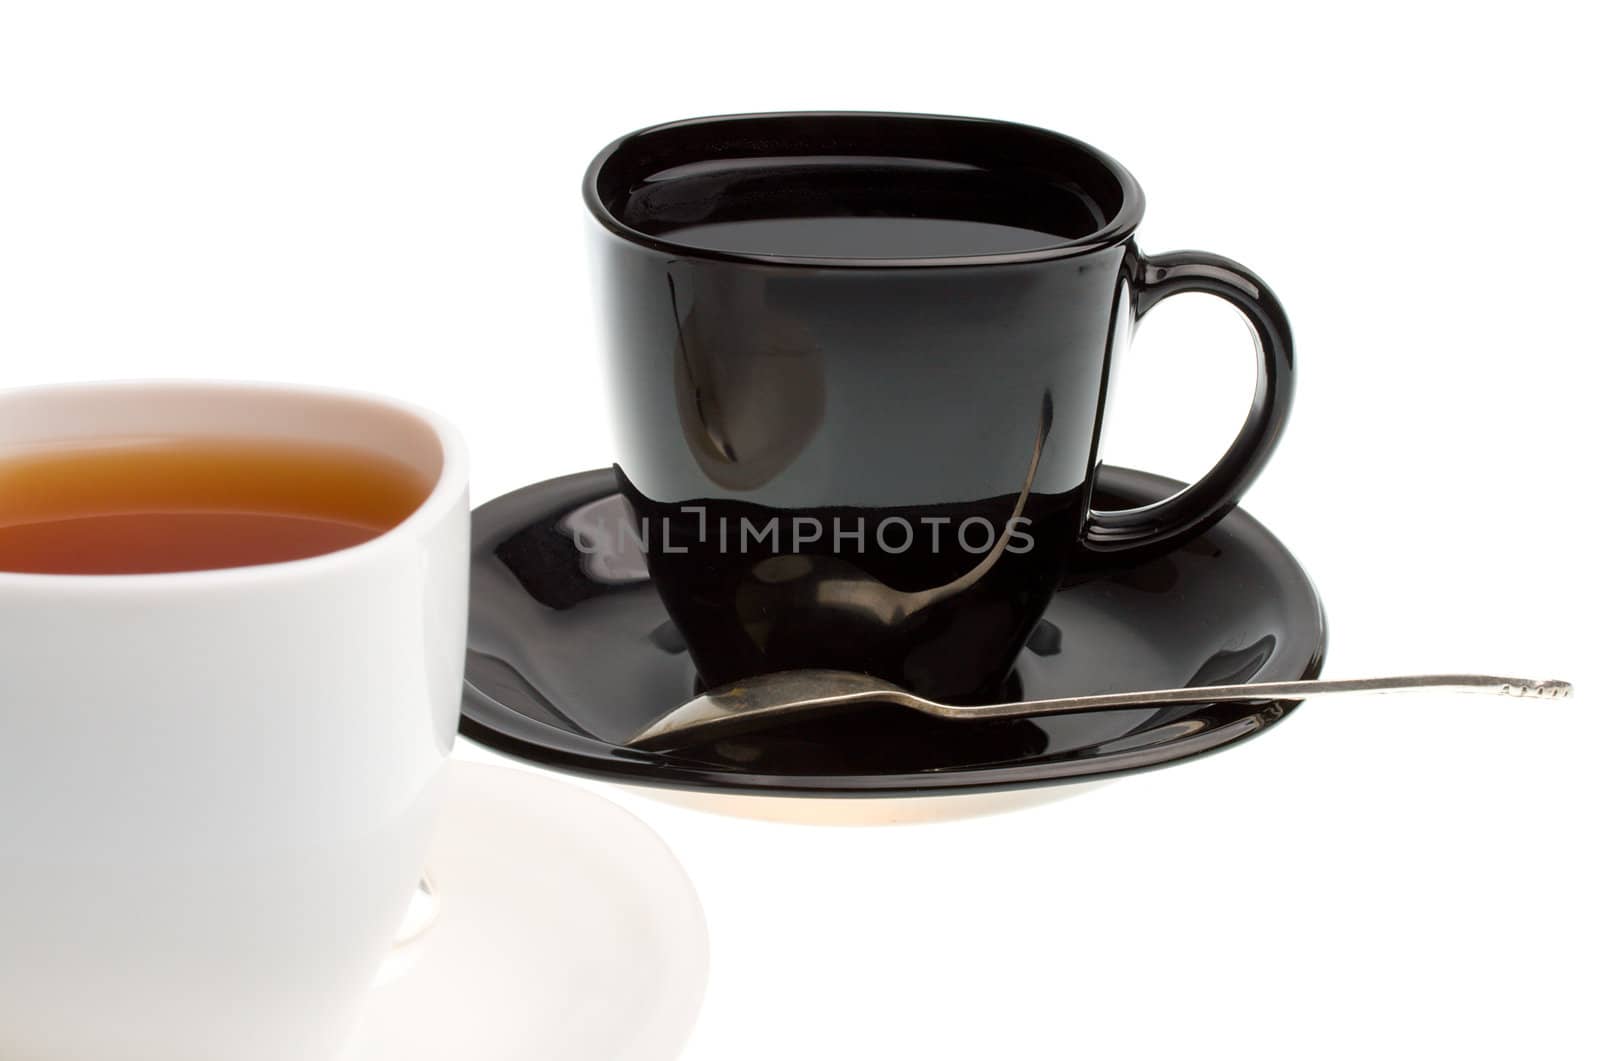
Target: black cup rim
{"type": "Point", "coordinates": [1116, 231]}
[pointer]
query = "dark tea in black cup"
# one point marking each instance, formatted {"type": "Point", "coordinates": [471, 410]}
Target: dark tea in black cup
{"type": "Point", "coordinates": [859, 366]}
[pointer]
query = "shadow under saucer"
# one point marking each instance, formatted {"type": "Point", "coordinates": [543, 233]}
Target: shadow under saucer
{"type": "Point", "coordinates": [888, 810]}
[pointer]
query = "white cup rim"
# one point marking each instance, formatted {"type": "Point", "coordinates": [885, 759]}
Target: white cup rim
{"type": "Point", "coordinates": [449, 486]}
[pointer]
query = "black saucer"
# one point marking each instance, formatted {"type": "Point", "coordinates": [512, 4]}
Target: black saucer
{"type": "Point", "coordinates": [568, 654]}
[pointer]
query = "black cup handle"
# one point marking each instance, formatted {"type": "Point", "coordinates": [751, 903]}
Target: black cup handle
{"type": "Point", "coordinates": [1166, 524]}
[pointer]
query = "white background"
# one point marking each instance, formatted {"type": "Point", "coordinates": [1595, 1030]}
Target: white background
{"type": "Point", "coordinates": [385, 196]}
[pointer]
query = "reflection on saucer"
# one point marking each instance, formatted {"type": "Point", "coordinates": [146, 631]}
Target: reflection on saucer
{"type": "Point", "coordinates": [569, 657]}
{"type": "Point", "coordinates": [547, 893]}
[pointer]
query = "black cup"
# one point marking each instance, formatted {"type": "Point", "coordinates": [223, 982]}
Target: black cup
{"type": "Point", "coordinates": [859, 366]}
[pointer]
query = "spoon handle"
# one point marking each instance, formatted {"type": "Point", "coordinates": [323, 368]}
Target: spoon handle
{"type": "Point", "coordinates": [1300, 690]}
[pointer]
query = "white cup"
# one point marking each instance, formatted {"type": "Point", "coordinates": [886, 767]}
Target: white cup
{"type": "Point", "coordinates": [217, 787]}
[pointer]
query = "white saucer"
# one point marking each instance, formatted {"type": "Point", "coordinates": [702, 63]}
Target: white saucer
{"type": "Point", "coordinates": [565, 930]}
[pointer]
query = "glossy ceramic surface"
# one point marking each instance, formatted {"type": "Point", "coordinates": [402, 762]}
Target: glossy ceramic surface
{"type": "Point", "coordinates": [217, 787]}
{"type": "Point", "coordinates": [886, 340]}
{"type": "Point", "coordinates": [565, 929]}
{"type": "Point", "coordinates": [571, 652]}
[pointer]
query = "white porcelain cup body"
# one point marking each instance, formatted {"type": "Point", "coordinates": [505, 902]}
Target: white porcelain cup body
{"type": "Point", "coordinates": [217, 787]}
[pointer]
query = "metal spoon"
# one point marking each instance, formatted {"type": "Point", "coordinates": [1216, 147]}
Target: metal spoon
{"type": "Point", "coordinates": [787, 695]}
